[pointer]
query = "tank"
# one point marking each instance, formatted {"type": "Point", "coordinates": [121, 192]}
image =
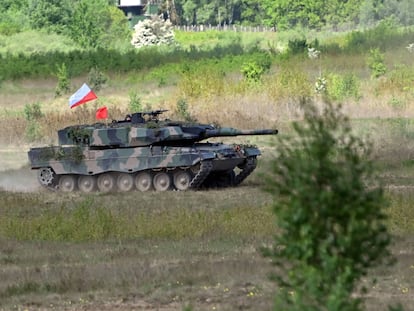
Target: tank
{"type": "Point", "coordinates": [144, 153]}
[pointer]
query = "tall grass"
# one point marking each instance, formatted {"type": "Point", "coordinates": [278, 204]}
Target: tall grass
{"type": "Point", "coordinates": [155, 216]}
{"type": "Point", "coordinates": [206, 40]}
{"type": "Point", "coordinates": [111, 217]}
{"type": "Point", "coordinates": [211, 82]}
{"type": "Point", "coordinates": [401, 211]}
{"type": "Point", "coordinates": [33, 42]}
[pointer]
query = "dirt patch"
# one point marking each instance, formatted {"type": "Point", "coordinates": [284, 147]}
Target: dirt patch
{"type": "Point", "coordinates": [15, 173]}
{"type": "Point", "coordinates": [20, 180]}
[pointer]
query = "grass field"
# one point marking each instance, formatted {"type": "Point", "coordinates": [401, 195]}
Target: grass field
{"type": "Point", "coordinates": [196, 250]}
{"type": "Point", "coordinates": [166, 251]}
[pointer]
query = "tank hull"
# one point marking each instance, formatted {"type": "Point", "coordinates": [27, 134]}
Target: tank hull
{"type": "Point", "coordinates": [71, 168]}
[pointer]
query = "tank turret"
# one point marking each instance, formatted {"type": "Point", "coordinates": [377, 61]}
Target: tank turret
{"type": "Point", "coordinates": [138, 132]}
{"type": "Point", "coordinates": [144, 153]}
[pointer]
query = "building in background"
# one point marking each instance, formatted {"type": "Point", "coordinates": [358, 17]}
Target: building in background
{"type": "Point", "coordinates": [136, 10]}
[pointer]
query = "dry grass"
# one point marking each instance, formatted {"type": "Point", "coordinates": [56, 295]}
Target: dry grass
{"type": "Point", "coordinates": [169, 251]}
{"type": "Point", "coordinates": [213, 96]}
{"type": "Point", "coordinates": [220, 269]}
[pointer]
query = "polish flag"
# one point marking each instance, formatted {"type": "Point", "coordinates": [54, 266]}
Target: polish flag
{"type": "Point", "coordinates": [83, 95]}
{"type": "Point", "coordinates": [102, 113]}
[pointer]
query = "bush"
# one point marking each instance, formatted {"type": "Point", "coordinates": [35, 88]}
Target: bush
{"type": "Point", "coordinates": [252, 72]}
{"type": "Point", "coordinates": [33, 114]}
{"type": "Point", "coordinates": [63, 85]}
{"type": "Point", "coordinates": [343, 87]}
{"type": "Point", "coordinates": [96, 79]}
{"type": "Point", "coordinates": [33, 131]}
{"type": "Point", "coordinates": [329, 212]}
{"type": "Point", "coordinates": [182, 109]}
{"type": "Point", "coordinates": [135, 104]}
{"type": "Point", "coordinates": [297, 46]}
{"type": "Point", "coordinates": [376, 64]}
{"type": "Point", "coordinates": [9, 29]}
{"type": "Point", "coordinates": [255, 68]}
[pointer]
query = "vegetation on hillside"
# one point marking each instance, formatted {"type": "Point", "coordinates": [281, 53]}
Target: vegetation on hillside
{"type": "Point", "coordinates": [95, 23]}
{"type": "Point", "coordinates": [209, 71]}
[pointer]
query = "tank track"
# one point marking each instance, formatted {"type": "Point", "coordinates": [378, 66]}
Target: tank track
{"type": "Point", "coordinates": [50, 180]}
{"type": "Point", "coordinates": [247, 169]}
{"type": "Point", "coordinates": [205, 169]}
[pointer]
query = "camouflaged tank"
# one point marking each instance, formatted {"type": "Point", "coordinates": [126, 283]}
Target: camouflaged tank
{"type": "Point", "coordinates": [143, 153]}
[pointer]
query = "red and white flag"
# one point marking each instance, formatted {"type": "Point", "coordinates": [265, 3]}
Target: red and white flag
{"type": "Point", "coordinates": [102, 113]}
{"type": "Point", "coordinates": [83, 95]}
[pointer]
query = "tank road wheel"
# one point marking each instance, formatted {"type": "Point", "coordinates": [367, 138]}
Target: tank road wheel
{"type": "Point", "coordinates": [143, 181]}
{"type": "Point", "coordinates": [106, 182]}
{"type": "Point", "coordinates": [182, 179]}
{"type": "Point", "coordinates": [162, 181]}
{"type": "Point", "coordinates": [87, 183]}
{"type": "Point", "coordinates": [67, 183]}
{"type": "Point", "coordinates": [46, 176]}
{"type": "Point", "coordinates": [125, 182]}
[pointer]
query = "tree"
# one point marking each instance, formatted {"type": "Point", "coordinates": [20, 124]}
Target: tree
{"type": "Point", "coordinates": [329, 213]}
{"type": "Point", "coordinates": [189, 12]}
{"type": "Point", "coordinates": [52, 15]}
{"type": "Point", "coordinates": [12, 4]}
{"type": "Point", "coordinates": [117, 29]}
{"type": "Point", "coordinates": [89, 22]}
{"type": "Point", "coordinates": [251, 12]}
{"type": "Point", "coordinates": [96, 23]}
{"type": "Point", "coordinates": [309, 13]}
{"type": "Point", "coordinates": [216, 12]}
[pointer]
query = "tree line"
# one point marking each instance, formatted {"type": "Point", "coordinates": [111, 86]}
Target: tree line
{"type": "Point", "coordinates": [98, 23]}
{"type": "Point", "coordinates": [285, 14]}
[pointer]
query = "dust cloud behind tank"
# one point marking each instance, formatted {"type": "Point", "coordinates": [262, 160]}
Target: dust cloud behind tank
{"type": "Point", "coordinates": [144, 153]}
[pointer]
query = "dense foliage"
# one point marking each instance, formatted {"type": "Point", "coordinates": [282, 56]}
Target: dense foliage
{"type": "Point", "coordinates": [287, 13]}
{"type": "Point", "coordinates": [329, 211]}
{"type": "Point", "coordinates": [87, 21]}
{"type": "Point", "coordinates": [16, 66]}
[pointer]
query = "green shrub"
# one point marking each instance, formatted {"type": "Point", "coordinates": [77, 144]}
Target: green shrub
{"type": "Point", "coordinates": [340, 87]}
{"type": "Point", "coordinates": [96, 79]}
{"type": "Point", "coordinates": [63, 85]}
{"type": "Point", "coordinates": [383, 36]}
{"type": "Point", "coordinates": [255, 67]}
{"type": "Point", "coordinates": [32, 112]}
{"type": "Point", "coordinates": [330, 214]}
{"type": "Point", "coordinates": [376, 63]}
{"type": "Point", "coordinates": [297, 46]}
{"type": "Point", "coordinates": [9, 28]}
{"type": "Point", "coordinates": [182, 109]}
{"type": "Point", "coordinates": [252, 72]}
{"type": "Point", "coordinates": [135, 104]}
{"type": "Point", "coordinates": [33, 131]}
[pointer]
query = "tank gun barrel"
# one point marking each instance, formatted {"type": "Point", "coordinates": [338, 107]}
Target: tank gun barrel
{"type": "Point", "coordinates": [228, 131]}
